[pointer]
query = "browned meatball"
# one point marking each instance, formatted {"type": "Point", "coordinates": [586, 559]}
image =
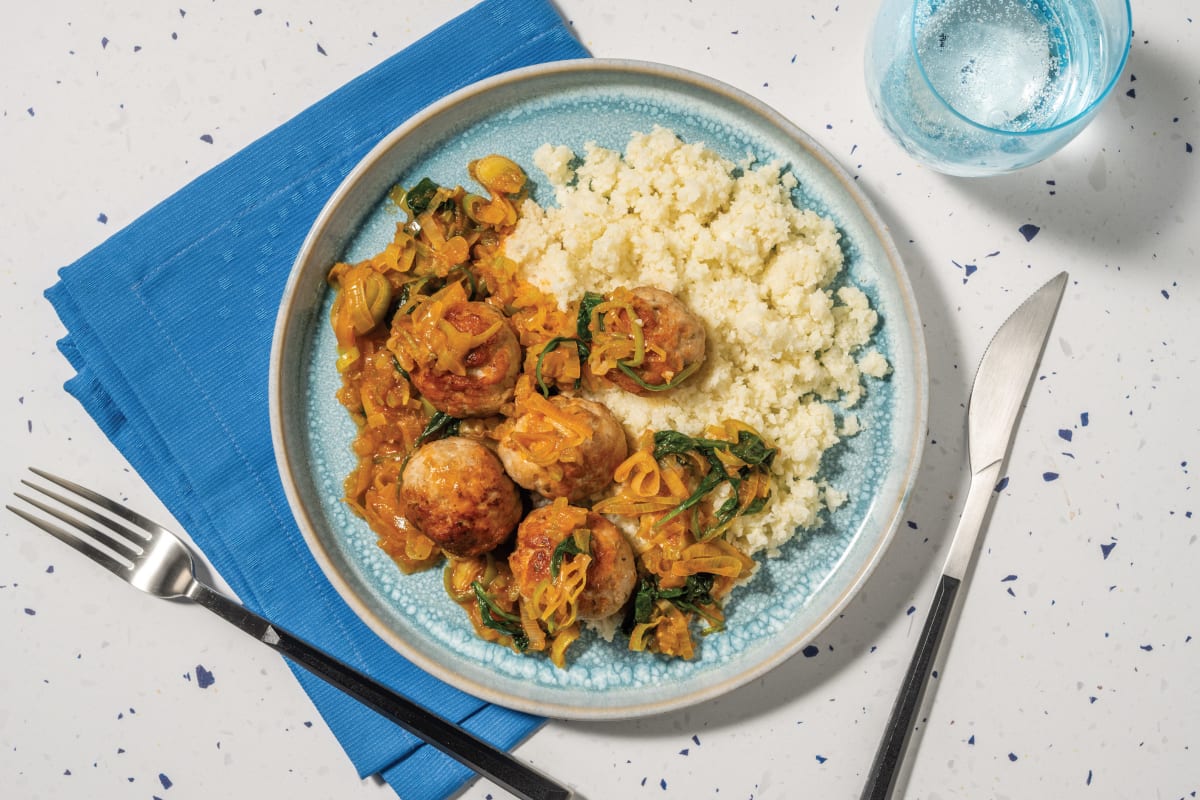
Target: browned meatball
{"type": "Point", "coordinates": [674, 339]}
{"type": "Point", "coordinates": [484, 380]}
{"type": "Point", "coordinates": [456, 492]}
{"type": "Point", "coordinates": [561, 446]}
{"type": "Point", "coordinates": [611, 575]}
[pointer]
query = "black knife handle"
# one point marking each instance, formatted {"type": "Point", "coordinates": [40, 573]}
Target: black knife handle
{"type": "Point", "coordinates": [882, 778]}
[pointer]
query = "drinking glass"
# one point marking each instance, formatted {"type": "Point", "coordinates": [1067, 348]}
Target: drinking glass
{"type": "Point", "coordinates": [980, 87]}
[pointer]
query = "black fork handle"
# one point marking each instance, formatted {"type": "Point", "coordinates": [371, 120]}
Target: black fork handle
{"type": "Point", "coordinates": [502, 768]}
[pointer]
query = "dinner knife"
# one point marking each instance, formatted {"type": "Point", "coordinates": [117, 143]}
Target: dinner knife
{"type": "Point", "coordinates": [1001, 385]}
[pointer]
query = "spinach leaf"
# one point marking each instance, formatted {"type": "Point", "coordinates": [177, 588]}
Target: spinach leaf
{"type": "Point", "coordinates": [567, 546]}
{"type": "Point", "coordinates": [679, 378]}
{"type": "Point", "coordinates": [757, 504]}
{"type": "Point", "coordinates": [498, 619]}
{"type": "Point", "coordinates": [674, 443]}
{"type": "Point", "coordinates": [583, 322]}
{"type": "Point", "coordinates": [696, 592]}
{"type": "Point", "coordinates": [709, 482]}
{"type": "Point", "coordinates": [420, 196]}
{"type": "Point", "coordinates": [440, 425]}
{"type": "Point", "coordinates": [551, 346]}
{"type": "Point", "coordinates": [749, 448]}
{"type": "Point", "coordinates": [753, 450]}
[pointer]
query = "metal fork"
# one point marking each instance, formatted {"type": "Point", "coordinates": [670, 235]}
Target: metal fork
{"type": "Point", "coordinates": [155, 560]}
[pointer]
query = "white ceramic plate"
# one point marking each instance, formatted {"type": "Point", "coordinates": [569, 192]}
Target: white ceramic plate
{"type": "Point", "coordinates": [792, 597]}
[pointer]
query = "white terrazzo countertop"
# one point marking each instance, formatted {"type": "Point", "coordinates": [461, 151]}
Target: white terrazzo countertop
{"type": "Point", "coordinates": [1073, 671]}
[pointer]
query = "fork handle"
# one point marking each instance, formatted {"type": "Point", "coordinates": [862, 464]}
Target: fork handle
{"type": "Point", "coordinates": [500, 767]}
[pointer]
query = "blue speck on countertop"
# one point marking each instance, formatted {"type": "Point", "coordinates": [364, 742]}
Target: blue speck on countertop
{"type": "Point", "coordinates": [968, 269]}
{"type": "Point", "coordinates": [1002, 485]}
{"type": "Point", "coordinates": [164, 780]}
{"type": "Point", "coordinates": [204, 678]}
{"type": "Point", "coordinates": [1049, 476]}
{"type": "Point", "coordinates": [1028, 230]}
{"type": "Point", "coordinates": [810, 651]}
{"type": "Point", "coordinates": [1106, 549]}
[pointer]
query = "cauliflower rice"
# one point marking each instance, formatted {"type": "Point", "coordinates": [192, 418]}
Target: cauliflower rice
{"type": "Point", "coordinates": [728, 241]}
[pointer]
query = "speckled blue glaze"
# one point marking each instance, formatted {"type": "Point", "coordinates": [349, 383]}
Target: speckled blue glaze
{"type": "Point", "coordinates": [791, 597]}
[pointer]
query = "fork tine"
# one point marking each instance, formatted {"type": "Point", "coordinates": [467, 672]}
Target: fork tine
{"type": "Point", "coordinates": [127, 543]}
{"type": "Point", "coordinates": [66, 537]}
{"type": "Point", "coordinates": [107, 504]}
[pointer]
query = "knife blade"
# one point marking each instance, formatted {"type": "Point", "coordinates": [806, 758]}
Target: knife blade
{"type": "Point", "coordinates": [1001, 385]}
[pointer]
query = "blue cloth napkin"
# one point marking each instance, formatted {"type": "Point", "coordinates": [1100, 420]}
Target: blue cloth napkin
{"type": "Point", "coordinates": [169, 330]}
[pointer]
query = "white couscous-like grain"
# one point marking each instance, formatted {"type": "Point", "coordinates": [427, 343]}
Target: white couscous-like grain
{"type": "Point", "coordinates": [729, 242]}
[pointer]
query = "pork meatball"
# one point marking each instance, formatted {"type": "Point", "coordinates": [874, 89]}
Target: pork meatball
{"type": "Point", "coordinates": [455, 491]}
{"type": "Point", "coordinates": [476, 385]}
{"type": "Point", "coordinates": [674, 340]}
{"type": "Point", "coordinates": [611, 575]}
{"type": "Point", "coordinates": [561, 446]}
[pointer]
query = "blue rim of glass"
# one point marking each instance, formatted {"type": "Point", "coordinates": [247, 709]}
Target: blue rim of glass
{"type": "Point", "coordinates": [1091, 107]}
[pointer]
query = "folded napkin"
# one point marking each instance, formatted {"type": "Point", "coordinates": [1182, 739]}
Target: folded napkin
{"type": "Point", "coordinates": [169, 330]}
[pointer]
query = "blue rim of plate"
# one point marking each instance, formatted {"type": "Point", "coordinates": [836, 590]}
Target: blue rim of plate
{"type": "Point", "coordinates": [792, 597]}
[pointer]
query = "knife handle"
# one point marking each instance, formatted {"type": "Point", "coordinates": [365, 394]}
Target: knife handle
{"type": "Point", "coordinates": [881, 779]}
